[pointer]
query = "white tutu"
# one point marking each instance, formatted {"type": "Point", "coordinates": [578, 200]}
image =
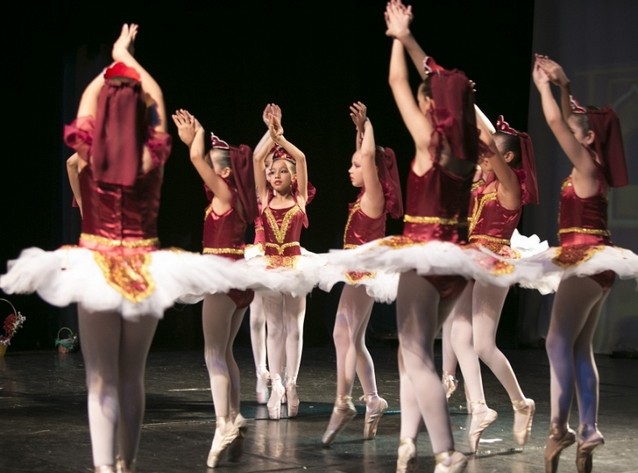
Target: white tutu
{"type": "Point", "coordinates": [297, 279]}
{"type": "Point", "coordinates": [399, 254]}
{"type": "Point", "coordinates": [72, 274]}
{"type": "Point", "coordinates": [600, 258]}
{"type": "Point", "coordinates": [380, 285]}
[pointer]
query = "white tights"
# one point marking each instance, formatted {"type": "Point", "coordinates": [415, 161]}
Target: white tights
{"type": "Point", "coordinates": [115, 352]}
{"type": "Point", "coordinates": [420, 315]}
{"type": "Point", "coordinates": [258, 333]}
{"type": "Point", "coordinates": [575, 313]}
{"type": "Point", "coordinates": [221, 320]}
{"type": "Point", "coordinates": [474, 321]}
{"type": "Point", "coordinates": [353, 357]}
{"type": "Point", "coordinates": [285, 316]}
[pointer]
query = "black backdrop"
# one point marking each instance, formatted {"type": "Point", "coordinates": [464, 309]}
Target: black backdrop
{"type": "Point", "coordinates": [224, 61]}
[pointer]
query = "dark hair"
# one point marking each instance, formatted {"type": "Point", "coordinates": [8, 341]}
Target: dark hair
{"type": "Point", "coordinates": [223, 157]}
{"type": "Point", "coordinates": [425, 87]}
{"type": "Point", "coordinates": [510, 142]}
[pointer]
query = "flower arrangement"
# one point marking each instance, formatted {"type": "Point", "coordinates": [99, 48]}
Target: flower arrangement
{"type": "Point", "coordinates": [12, 323]}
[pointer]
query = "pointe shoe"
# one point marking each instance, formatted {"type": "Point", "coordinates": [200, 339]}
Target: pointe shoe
{"type": "Point", "coordinates": [523, 417]}
{"type": "Point", "coordinates": [240, 422]}
{"type": "Point", "coordinates": [221, 442]}
{"type": "Point", "coordinates": [560, 437]}
{"type": "Point", "coordinates": [236, 448]}
{"type": "Point", "coordinates": [406, 461]}
{"type": "Point", "coordinates": [292, 399]}
{"type": "Point", "coordinates": [274, 403]}
{"type": "Point", "coordinates": [104, 469]}
{"type": "Point", "coordinates": [122, 467]}
{"type": "Point", "coordinates": [342, 413]}
{"type": "Point", "coordinates": [450, 462]}
{"type": "Point", "coordinates": [482, 417]}
{"type": "Point", "coordinates": [375, 407]}
{"type": "Point", "coordinates": [263, 379]}
{"type": "Point", "coordinates": [450, 383]}
{"type": "Point", "coordinates": [589, 437]}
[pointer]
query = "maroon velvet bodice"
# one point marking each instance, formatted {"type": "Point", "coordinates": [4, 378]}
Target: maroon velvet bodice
{"type": "Point", "coordinates": [282, 230]}
{"type": "Point", "coordinates": [360, 228]}
{"type": "Point", "coordinates": [434, 204]}
{"type": "Point", "coordinates": [582, 221]}
{"type": "Point", "coordinates": [225, 234]}
{"type": "Point", "coordinates": [120, 213]}
{"type": "Point", "coordinates": [491, 224]}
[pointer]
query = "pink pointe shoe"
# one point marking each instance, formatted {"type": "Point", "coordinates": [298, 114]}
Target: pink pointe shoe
{"type": "Point", "coordinates": [482, 418]}
{"type": "Point", "coordinates": [375, 407]}
{"type": "Point", "coordinates": [221, 442]}
{"type": "Point", "coordinates": [589, 437]}
{"type": "Point", "coordinates": [342, 413]}
{"type": "Point", "coordinates": [450, 462]}
{"type": "Point", "coordinates": [560, 437]}
{"type": "Point", "coordinates": [292, 399]}
{"type": "Point", "coordinates": [277, 392]}
{"type": "Point", "coordinates": [261, 388]}
{"type": "Point", "coordinates": [523, 417]}
{"type": "Point", "coordinates": [406, 460]}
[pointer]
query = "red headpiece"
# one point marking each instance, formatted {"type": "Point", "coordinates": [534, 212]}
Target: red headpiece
{"type": "Point", "coordinates": [217, 142]}
{"type": "Point", "coordinates": [389, 177]}
{"type": "Point", "coordinates": [608, 142]}
{"type": "Point", "coordinates": [454, 116]}
{"type": "Point", "coordinates": [278, 152]}
{"type": "Point", "coordinates": [119, 69]}
{"type": "Point", "coordinates": [528, 161]}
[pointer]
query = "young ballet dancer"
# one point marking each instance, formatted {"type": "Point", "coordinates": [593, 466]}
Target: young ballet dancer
{"type": "Point", "coordinates": [437, 189]}
{"type": "Point", "coordinates": [227, 172]}
{"type": "Point", "coordinates": [506, 182]}
{"type": "Point", "coordinates": [117, 274]}
{"type": "Point", "coordinates": [591, 139]}
{"type": "Point", "coordinates": [374, 170]}
{"type": "Point", "coordinates": [283, 199]}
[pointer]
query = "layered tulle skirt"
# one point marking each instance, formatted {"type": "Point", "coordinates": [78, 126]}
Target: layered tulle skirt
{"type": "Point", "coordinates": [143, 283]}
{"type": "Point", "coordinates": [397, 254]}
{"type": "Point", "coordinates": [294, 275]}
{"type": "Point", "coordinates": [582, 261]}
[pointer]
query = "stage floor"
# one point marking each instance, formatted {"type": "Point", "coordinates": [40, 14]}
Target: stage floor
{"type": "Point", "coordinates": [45, 427]}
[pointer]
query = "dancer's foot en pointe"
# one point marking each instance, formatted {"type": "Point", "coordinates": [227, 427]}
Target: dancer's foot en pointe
{"type": "Point", "coordinates": [263, 379]}
{"type": "Point", "coordinates": [589, 437]}
{"type": "Point", "coordinates": [236, 448]}
{"type": "Point", "coordinates": [342, 413]}
{"type": "Point", "coordinates": [122, 467]}
{"type": "Point", "coordinates": [482, 418]}
{"type": "Point", "coordinates": [450, 462]}
{"type": "Point", "coordinates": [450, 383]}
{"type": "Point", "coordinates": [406, 461]}
{"type": "Point", "coordinates": [523, 417]}
{"type": "Point", "coordinates": [292, 399]}
{"type": "Point", "coordinates": [277, 392]}
{"type": "Point", "coordinates": [221, 441]}
{"type": "Point", "coordinates": [104, 469]}
{"type": "Point", "coordinates": [560, 437]}
{"type": "Point", "coordinates": [375, 407]}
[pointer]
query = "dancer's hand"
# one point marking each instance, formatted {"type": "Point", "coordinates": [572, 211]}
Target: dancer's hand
{"type": "Point", "coordinates": [124, 44]}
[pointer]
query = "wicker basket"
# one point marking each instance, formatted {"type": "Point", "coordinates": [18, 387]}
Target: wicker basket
{"type": "Point", "coordinates": [8, 336]}
{"type": "Point", "coordinates": [66, 341]}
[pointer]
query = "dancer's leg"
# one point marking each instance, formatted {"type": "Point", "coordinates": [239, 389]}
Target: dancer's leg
{"type": "Point", "coordinates": [418, 322]}
{"type": "Point", "coordinates": [258, 341]}
{"type": "Point", "coordinates": [113, 375]}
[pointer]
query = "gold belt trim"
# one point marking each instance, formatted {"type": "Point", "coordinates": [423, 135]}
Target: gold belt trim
{"type": "Point", "coordinates": [283, 247]}
{"type": "Point", "coordinates": [223, 251]}
{"type": "Point", "coordinates": [491, 239]}
{"type": "Point", "coordinates": [586, 231]}
{"type": "Point", "coordinates": [126, 243]}
{"type": "Point", "coordinates": [430, 220]}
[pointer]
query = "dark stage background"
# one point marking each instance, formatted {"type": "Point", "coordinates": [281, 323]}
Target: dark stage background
{"type": "Point", "coordinates": [224, 61]}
